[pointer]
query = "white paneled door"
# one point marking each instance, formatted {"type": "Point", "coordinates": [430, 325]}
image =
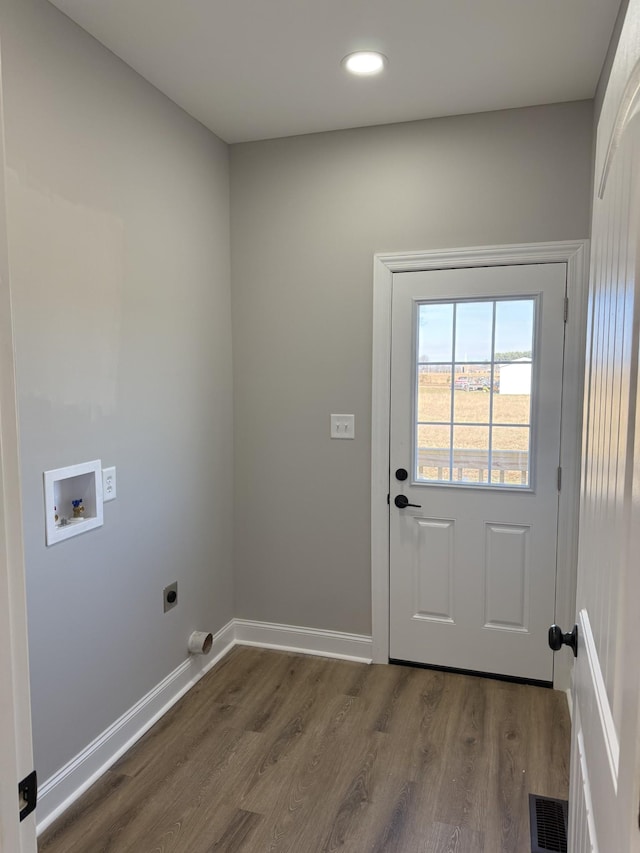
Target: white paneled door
{"type": "Point", "coordinates": [605, 766]}
{"type": "Point", "coordinates": [476, 394]}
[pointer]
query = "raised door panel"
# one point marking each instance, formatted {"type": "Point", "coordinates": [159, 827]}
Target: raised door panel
{"type": "Point", "coordinates": [434, 566]}
{"type": "Point", "coordinates": [507, 563]}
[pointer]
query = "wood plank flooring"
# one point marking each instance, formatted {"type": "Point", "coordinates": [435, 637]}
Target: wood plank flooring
{"type": "Point", "coordinates": [273, 751]}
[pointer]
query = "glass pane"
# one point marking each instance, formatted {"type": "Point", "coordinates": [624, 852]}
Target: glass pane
{"type": "Point", "coordinates": [512, 394]}
{"type": "Point", "coordinates": [514, 329]}
{"type": "Point", "coordinates": [486, 392]}
{"type": "Point", "coordinates": [434, 394]}
{"type": "Point", "coordinates": [474, 324]}
{"type": "Point", "coordinates": [435, 332]}
{"type": "Point", "coordinates": [471, 393]}
{"type": "Point", "coordinates": [510, 455]}
{"type": "Point", "coordinates": [432, 453]}
{"type": "Point", "coordinates": [470, 454]}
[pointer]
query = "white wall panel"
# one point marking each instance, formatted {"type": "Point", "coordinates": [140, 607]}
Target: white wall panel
{"type": "Point", "coordinates": [606, 685]}
{"type": "Point", "coordinates": [608, 404]}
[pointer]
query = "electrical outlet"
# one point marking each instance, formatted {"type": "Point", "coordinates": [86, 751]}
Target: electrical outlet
{"type": "Point", "coordinates": [170, 596]}
{"type": "Point", "coordinates": [108, 484]}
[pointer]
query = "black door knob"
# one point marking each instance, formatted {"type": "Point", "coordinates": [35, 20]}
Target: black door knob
{"type": "Point", "coordinates": [557, 639]}
{"type": "Point", "coordinates": [402, 474]}
{"type": "Point", "coordinates": [402, 502]}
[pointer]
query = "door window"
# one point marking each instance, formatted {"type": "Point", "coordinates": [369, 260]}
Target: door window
{"type": "Point", "coordinates": [473, 394]}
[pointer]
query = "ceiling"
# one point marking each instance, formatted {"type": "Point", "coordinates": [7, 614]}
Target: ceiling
{"type": "Point", "coordinates": [256, 69]}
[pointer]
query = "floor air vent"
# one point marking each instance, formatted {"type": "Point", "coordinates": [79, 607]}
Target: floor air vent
{"type": "Point", "coordinates": [548, 824]}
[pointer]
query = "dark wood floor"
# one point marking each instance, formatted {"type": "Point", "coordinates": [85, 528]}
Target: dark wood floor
{"type": "Point", "coordinates": [274, 751]}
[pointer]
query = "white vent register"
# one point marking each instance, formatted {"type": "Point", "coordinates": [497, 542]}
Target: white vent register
{"type": "Point", "coordinates": [72, 500]}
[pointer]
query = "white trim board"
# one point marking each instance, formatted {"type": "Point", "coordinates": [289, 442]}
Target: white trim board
{"type": "Point", "coordinates": [575, 255]}
{"type": "Point", "coordinates": [77, 775]}
{"type": "Point", "coordinates": [16, 754]}
{"type": "Point", "coordinates": [569, 696]}
{"type": "Point", "coordinates": [306, 641]}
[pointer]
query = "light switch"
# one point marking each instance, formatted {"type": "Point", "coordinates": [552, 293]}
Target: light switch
{"type": "Point", "coordinates": [343, 426]}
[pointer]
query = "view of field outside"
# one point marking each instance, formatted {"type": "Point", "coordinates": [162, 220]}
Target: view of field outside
{"type": "Point", "coordinates": [473, 403]}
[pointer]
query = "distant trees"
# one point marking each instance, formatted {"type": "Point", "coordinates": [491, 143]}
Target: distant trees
{"type": "Point", "coordinates": [445, 367]}
{"type": "Point", "coordinates": [513, 355]}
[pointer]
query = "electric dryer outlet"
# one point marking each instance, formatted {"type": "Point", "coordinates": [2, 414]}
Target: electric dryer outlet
{"type": "Point", "coordinates": [170, 596]}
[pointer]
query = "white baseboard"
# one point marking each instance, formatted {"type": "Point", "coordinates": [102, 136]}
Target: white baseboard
{"type": "Point", "coordinates": [64, 787]}
{"type": "Point", "coordinates": [72, 780]}
{"type": "Point", "coordinates": [306, 641]}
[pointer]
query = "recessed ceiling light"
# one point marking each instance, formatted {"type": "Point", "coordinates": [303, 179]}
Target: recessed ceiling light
{"type": "Point", "coordinates": [364, 62]}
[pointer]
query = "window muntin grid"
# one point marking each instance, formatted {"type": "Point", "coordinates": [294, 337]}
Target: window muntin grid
{"type": "Point", "coordinates": [475, 364]}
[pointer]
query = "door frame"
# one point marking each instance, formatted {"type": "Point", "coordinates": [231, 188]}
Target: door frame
{"type": "Point", "coordinates": [16, 754]}
{"type": "Point", "coordinates": [575, 254]}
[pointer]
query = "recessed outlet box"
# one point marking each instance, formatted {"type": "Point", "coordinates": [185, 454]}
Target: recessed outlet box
{"type": "Point", "coordinates": [72, 500]}
{"type": "Point", "coordinates": [170, 596]}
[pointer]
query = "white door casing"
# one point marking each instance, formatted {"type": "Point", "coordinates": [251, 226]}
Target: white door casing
{"type": "Point", "coordinates": [574, 255]}
{"type": "Point", "coordinates": [16, 758]}
{"type": "Point", "coordinates": [473, 564]}
{"type": "Point", "coordinates": [605, 764]}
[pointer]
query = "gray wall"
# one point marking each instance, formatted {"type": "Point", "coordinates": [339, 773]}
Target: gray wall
{"type": "Point", "coordinates": [118, 209]}
{"type": "Point", "coordinates": [307, 215]}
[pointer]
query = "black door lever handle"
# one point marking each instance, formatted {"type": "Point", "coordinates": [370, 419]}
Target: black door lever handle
{"type": "Point", "coordinates": [402, 502]}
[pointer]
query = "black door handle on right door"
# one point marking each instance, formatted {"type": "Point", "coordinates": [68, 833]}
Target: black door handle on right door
{"type": "Point", "coordinates": [557, 639]}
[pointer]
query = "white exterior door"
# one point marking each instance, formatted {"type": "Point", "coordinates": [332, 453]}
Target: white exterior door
{"type": "Point", "coordinates": [476, 393]}
{"type": "Point", "coordinates": [605, 771]}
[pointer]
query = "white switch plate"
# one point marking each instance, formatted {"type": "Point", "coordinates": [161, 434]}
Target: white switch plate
{"type": "Point", "coordinates": [108, 484]}
{"type": "Point", "coordinates": [343, 426]}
